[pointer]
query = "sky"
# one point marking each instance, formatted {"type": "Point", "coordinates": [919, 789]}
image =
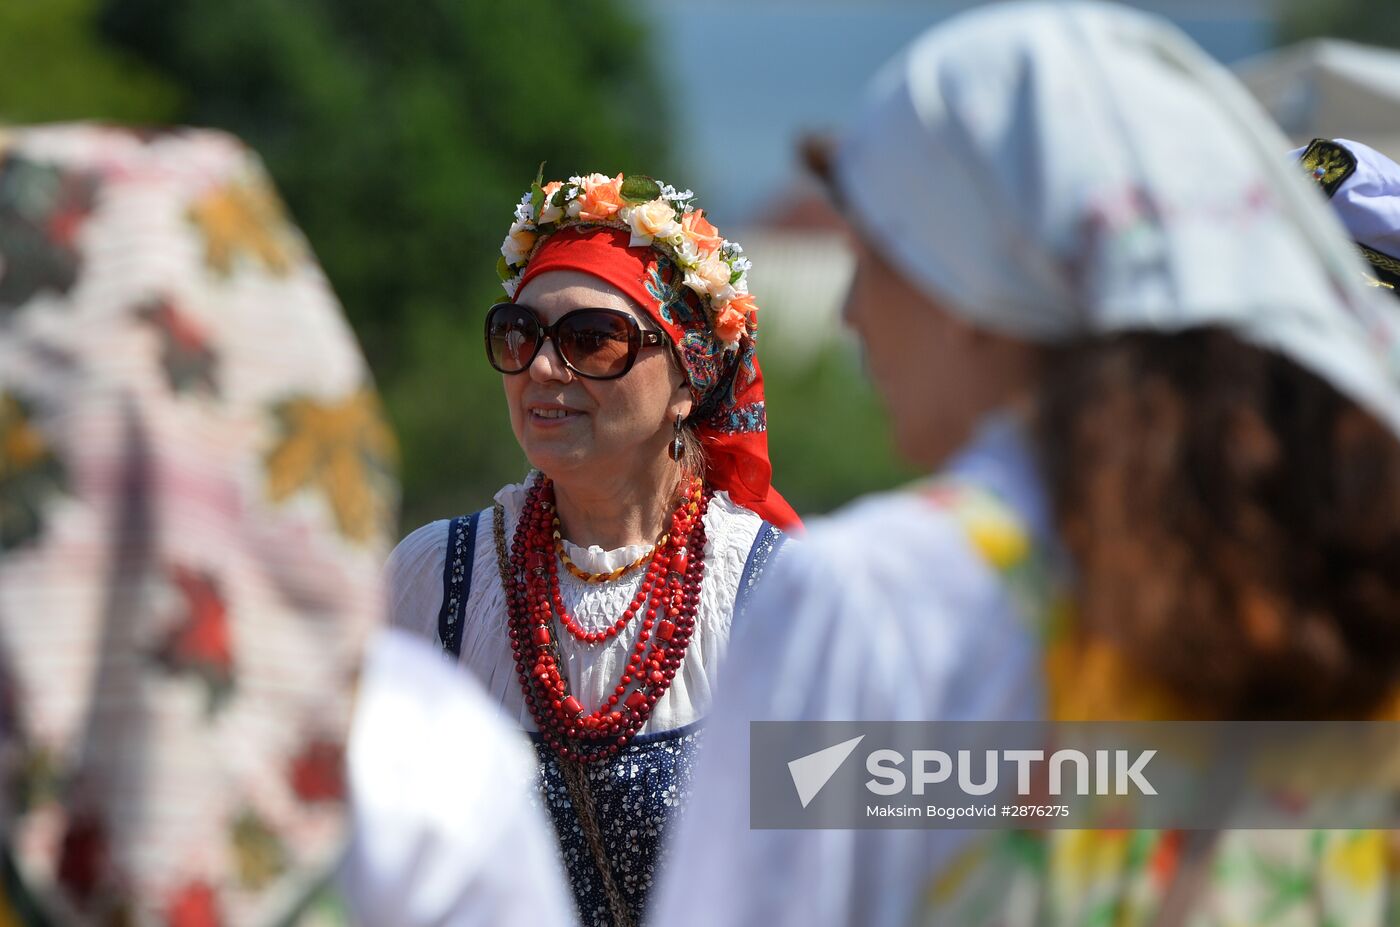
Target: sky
{"type": "Point", "coordinates": [747, 77]}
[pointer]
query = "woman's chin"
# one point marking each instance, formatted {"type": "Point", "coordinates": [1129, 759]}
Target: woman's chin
{"type": "Point", "coordinates": [556, 457]}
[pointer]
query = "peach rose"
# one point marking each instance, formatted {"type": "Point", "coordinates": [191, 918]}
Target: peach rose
{"type": "Point", "coordinates": [699, 230]}
{"type": "Point", "coordinates": [601, 198]}
{"type": "Point", "coordinates": [731, 322]}
{"type": "Point", "coordinates": [650, 221]}
{"type": "Point", "coordinates": [745, 304]}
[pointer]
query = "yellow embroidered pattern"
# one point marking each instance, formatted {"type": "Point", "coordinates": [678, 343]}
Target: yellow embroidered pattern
{"type": "Point", "coordinates": [1384, 264]}
{"type": "Point", "coordinates": [341, 448]}
{"type": "Point", "coordinates": [246, 220]}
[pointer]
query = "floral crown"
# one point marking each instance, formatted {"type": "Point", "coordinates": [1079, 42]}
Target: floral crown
{"type": "Point", "coordinates": [657, 215]}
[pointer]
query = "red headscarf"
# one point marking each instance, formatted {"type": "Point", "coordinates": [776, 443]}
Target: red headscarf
{"type": "Point", "coordinates": [727, 385]}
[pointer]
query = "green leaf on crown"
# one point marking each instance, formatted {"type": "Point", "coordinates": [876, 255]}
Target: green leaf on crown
{"type": "Point", "coordinates": [640, 188]}
{"type": "Point", "coordinates": [537, 191]}
{"type": "Point", "coordinates": [502, 268]}
{"type": "Point", "coordinates": [734, 276]}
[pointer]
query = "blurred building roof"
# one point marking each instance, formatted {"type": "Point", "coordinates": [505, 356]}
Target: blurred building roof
{"type": "Point", "coordinates": [1328, 88]}
{"type": "Point", "coordinates": [801, 270]}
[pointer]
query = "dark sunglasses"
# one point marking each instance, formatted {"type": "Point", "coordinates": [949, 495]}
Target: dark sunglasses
{"type": "Point", "coordinates": [601, 344]}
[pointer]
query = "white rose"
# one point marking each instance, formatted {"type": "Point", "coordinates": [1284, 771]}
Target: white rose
{"type": "Point", "coordinates": [575, 207]}
{"type": "Point", "coordinates": [710, 278]}
{"type": "Point", "coordinates": [696, 283]}
{"type": "Point", "coordinates": [650, 221]}
{"type": "Point", "coordinates": [551, 213]}
{"type": "Point", "coordinates": [721, 295]}
{"type": "Point", "coordinates": [687, 255]}
{"type": "Point", "coordinates": [518, 243]}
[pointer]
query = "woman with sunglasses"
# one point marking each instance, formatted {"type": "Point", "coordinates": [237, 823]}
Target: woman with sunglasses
{"type": "Point", "coordinates": [594, 600]}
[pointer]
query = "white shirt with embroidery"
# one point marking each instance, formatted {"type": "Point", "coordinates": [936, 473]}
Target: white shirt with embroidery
{"type": "Point", "coordinates": [414, 579]}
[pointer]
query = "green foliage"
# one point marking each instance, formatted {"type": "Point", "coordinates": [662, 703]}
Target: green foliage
{"type": "Point", "coordinates": [1374, 22]}
{"type": "Point", "coordinates": [401, 135]}
{"type": "Point", "coordinates": [56, 69]}
{"type": "Point", "coordinates": [639, 189]}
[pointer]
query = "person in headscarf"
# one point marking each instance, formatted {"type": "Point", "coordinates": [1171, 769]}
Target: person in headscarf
{"type": "Point", "coordinates": [594, 600]}
{"type": "Point", "coordinates": [1163, 407]}
{"type": "Point", "coordinates": [196, 492]}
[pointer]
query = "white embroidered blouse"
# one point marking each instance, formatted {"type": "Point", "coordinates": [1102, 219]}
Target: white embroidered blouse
{"type": "Point", "coordinates": [414, 577]}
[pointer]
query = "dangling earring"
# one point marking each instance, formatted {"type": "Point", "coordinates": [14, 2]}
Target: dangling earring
{"type": "Point", "coordinates": [677, 448]}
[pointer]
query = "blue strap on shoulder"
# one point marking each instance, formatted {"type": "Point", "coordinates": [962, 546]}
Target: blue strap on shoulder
{"type": "Point", "coordinates": [766, 545]}
{"type": "Point", "coordinates": [457, 580]}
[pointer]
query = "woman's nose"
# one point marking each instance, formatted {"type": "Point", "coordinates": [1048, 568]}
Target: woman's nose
{"type": "Point", "coordinates": [549, 366]}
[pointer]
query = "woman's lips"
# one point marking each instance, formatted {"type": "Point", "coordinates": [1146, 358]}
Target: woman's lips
{"type": "Point", "coordinates": [552, 417]}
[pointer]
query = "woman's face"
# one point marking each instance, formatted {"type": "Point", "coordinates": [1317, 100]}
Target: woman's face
{"type": "Point", "coordinates": [938, 374]}
{"type": "Point", "coordinates": [574, 427]}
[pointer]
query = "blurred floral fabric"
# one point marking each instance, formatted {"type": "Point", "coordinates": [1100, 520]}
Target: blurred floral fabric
{"type": "Point", "coordinates": [196, 494]}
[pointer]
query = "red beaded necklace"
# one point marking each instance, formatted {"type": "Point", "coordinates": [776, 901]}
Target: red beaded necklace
{"type": "Point", "coordinates": [668, 599]}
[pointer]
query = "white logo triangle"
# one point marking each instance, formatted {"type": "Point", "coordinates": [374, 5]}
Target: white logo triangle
{"type": "Point", "coordinates": [813, 771]}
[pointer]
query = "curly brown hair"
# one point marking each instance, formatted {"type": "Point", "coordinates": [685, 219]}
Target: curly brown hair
{"type": "Point", "coordinates": [1235, 522]}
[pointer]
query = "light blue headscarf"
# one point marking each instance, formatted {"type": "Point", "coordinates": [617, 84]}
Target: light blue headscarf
{"type": "Point", "coordinates": [1051, 170]}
